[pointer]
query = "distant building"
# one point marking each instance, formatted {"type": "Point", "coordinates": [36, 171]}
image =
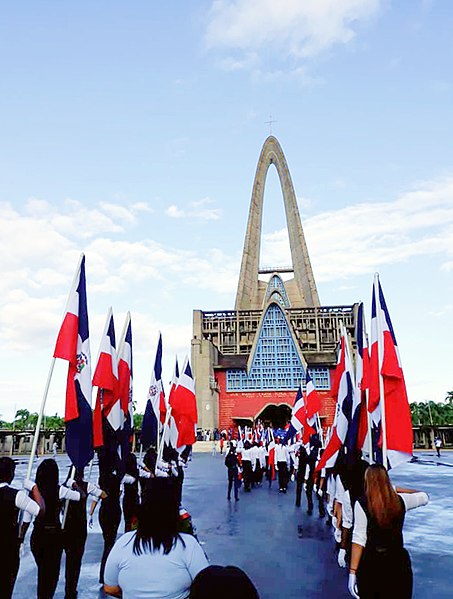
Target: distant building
{"type": "Point", "coordinates": [248, 362]}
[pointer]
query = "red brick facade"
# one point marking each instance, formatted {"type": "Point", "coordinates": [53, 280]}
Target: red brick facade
{"type": "Point", "coordinates": [249, 404]}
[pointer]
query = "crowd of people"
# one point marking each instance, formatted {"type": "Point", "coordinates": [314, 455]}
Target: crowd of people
{"type": "Point", "coordinates": [157, 556]}
{"type": "Point", "coordinates": [360, 504]}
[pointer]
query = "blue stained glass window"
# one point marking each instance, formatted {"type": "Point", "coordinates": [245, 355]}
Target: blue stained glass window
{"type": "Point", "coordinates": [274, 284]}
{"type": "Point", "coordinates": [276, 363]}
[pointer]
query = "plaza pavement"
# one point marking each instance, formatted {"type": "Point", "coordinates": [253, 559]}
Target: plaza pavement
{"type": "Point", "coordinates": [285, 552]}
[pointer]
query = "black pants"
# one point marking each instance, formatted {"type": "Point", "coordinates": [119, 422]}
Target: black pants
{"type": "Point", "coordinates": [47, 547]}
{"type": "Point", "coordinates": [109, 521]}
{"type": "Point", "coordinates": [9, 566]}
{"type": "Point", "coordinates": [282, 475]}
{"type": "Point", "coordinates": [247, 473]}
{"type": "Point", "coordinates": [74, 546]}
{"type": "Point", "coordinates": [233, 482]}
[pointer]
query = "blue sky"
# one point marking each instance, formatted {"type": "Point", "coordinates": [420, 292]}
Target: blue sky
{"type": "Point", "coordinates": [131, 131]}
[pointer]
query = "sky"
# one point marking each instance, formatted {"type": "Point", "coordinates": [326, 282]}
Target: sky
{"type": "Point", "coordinates": [131, 131]}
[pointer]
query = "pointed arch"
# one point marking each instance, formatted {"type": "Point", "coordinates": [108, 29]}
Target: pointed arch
{"type": "Point", "coordinates": [247, 293]}
{"type": "Point", "coordinates": [276, 287]}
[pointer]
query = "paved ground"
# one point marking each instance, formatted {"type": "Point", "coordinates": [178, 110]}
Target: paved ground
{"type": "Point", "coordinates": [261, 534]}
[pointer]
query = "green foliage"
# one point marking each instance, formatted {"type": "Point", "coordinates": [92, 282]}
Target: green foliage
{"type": "Point", "coordinates": [432, 413]}
{"type": "Point", "coordinates": [138, 419]}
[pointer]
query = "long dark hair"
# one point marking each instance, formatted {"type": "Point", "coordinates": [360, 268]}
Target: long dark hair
{"type": "Point", "coordinates": [222, 582]}
{"type": "Point", "coordinates": [158, 517]}
{"type": "Point", "coordinates": [47, 483]}
{"type": "Point", "coordinates": [130, 465]}
{"type": "Point", "coordinates": [383, 502]}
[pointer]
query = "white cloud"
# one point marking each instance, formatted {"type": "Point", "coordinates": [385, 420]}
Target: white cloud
{"type": "Point", "coordinates": [289, 29]}
{"type": "Point", "coordinates": [174, 212]}
{"type": "Point", "coordinates": [359, 239]}
{"type": "Point", "coordinates": [198, 210]}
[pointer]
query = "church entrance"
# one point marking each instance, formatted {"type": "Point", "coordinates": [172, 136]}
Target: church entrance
{"type": "Point", "coordinates": [275, 416]}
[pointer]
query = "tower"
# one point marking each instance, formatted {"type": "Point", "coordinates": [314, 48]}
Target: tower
{"type": "Point", "coordinates": [249, 362]}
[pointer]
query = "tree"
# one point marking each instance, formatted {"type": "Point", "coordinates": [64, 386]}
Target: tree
{"type": "Point", "coordinates": [21, 418]}
{"type": "Point", "coordinates": [138, 419]}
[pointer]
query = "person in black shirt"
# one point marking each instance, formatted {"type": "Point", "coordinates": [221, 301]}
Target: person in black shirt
{"type": "Point", "coordinates": [231, 462]}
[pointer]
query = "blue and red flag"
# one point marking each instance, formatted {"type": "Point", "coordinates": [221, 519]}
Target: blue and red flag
{"type": "Point", "coordinates": [107, 412]}
{"type": "Point", "coordinates": [154, 405]}
{"type": "Point", "coordinates": [344, 390]}
{"type": "Point", "coordinates": [125, 379]}
{"type": "Point", "coordinates": [73, 344]}
{"type": "Point", "coordinates": [171, 433]}
{"type": "Point", "coordinates": [184, 406]}
{"type": "Point", "coordinates": [299, 419]}
{"type": "Point", "coordinates": [387, 384]}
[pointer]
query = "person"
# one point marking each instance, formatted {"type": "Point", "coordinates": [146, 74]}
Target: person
{"type": "Point", "coordinates": [109, 514]}
{"type": "Point", "coordinates": [46, 539]}
{"type": "Point", "coordinates": [11, 501]}
{"type": "Point", "coordinates": [302, 460]}
{"type": "Point", "coordinates": [380, 566]}
{"type": "Point", "coordinates": [156, 560]}
{"type": "Point", "coordinates": [222, 443]}
{"type": "Point", "coordinates": [131, 499]}
{"type": "Point", "coordinates": [282, 459]}
{"type": "Point", "coordinates": [75, 529]}
{"type": "Point", "coordinates": [54, 449]}
{"type": "Point", "coordinates": [223, 582]}
{"type": "Point", "coordinates": [438, 445]}
{"type": "Point", "coordinates": [247, 471]}
{"type": "Point", "coordinates": [231, 462]}
{"type": "Point", "coordinates": [214, 447]}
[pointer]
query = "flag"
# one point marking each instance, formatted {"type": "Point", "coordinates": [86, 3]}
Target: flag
{"type": "Point", "coordinates": [299, 419]}
{"type": "Point", "coordinates": [362, 366]}
{"type": "Point", "coordinates": [271, 452]}
{"type": "Point", "coordinates": [107, 412]}
{"type": "Point", "coordinates": [385, 362]}
{"type": "Point", "coordinates": [125, 379]}
{"type": "Point", "coordinates": [344, 388]}
{"type": "Point", "coordinates": [155, 401]}
{"type": "Point", "coordinates": [73, 345]}
{"type": "Point", "coordinates": [184, 406]}
{"type": "Point", "coordinates": [171, 432]}
{"type": "Point", "coordinates": [312, 398]}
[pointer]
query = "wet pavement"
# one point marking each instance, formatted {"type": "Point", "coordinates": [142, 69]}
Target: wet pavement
{"type": "Point", "coordinates": [285, 552]}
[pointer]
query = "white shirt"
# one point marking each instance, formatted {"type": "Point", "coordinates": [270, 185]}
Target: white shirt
{"type": "Point", "coordinates": [153, 575]}
{"type": "Point", "coordinates": [410, 500]}
{"type": "Point", "coordinates": [24, 502]}
{"type": "Point", "coordinates": [281, 453]}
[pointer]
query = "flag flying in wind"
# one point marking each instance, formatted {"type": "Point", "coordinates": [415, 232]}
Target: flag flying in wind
{"type": "Point", "coordinates": [385, 370]}
{"type": "Point", "coordinates": [125, 378]}
{"type": "Point", "coordinates": [156, 399]}
{"type": "Point", "coordinates": [184, 406]}
{"type": "Point", "coordinates": [171, 432]}
{"type": "Point", "coordinates": [362, 367]}
{"type": "Point", "coordinates": [107, 412]}
{"type": "Point", "coordinates": [73, 345]}
{"type": "Point", "coordinates": [344, 387]}
{"type": "Point", "coordinates": [299, 419]}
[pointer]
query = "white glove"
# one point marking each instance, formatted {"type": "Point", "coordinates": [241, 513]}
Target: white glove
{"type": "Point", "coordinates": [70, 483]}
{"type": "Point", "coordinates": [21, 550]}
{"type": "Point", "coordinates": [315, 487]}
{"type": "Point", "coordinates": [305, 485]}
{"type": "Point", "coordinates": [337, 535]}
{"type": "Point", "coordinates": [29, 484]}
{"type": "Point", "coordinates": [342, 558]}
{"type": "Point", "coordinates": [352, 585]}
{"type": "Point", "coordinates": [90, 522]}
{"type": "Point", "coordinates": [320, 492]}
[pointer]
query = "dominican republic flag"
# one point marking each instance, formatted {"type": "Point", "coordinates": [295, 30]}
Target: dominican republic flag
{"type": "Point", "coordinates": [171, 432]}
{"type": "Point", "coordinates": [125, 378]}
{"type": "Point", "coordinates": [271, 451]}
{"type": "Point", "coordinates": [155, 402]}
{"type": "Point", "coordinates": [107, 417]}
{"type": "Point", "coordinates": [391, 407]}
{"type": "Point", "coordinates": [362, 369]}
{"type": "Point", "coordinates": [184, 406]}
{"type": "Point", "coordinates": [299, 419]}
{"type": "Point", "coordinates": [313, 402]}
{"type": "Point", "coordinates": [73, 345]}
{"type": "Point", "coordinates": [344, 389]}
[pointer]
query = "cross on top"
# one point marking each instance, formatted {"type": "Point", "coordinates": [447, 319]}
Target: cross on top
{"type": "Point", "coordinates": [270, 123]}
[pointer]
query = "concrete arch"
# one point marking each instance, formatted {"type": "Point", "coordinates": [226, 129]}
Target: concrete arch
{"type": "Point", "coordinates": [247, 294]}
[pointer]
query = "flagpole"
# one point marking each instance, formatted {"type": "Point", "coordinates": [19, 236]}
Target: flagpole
{"type": "Point", "coordinates": [318, 422]}
{"type": "Point", "coordinates": [38, 423]}
{"type": "Point", "coordinates": [160, 451]}
{"type": "Point", "coordinates": [377, 300]}
{"type": "Point", "coordinates": [370, 434]}
{"type": "Point", "coordinates": [66, 505]}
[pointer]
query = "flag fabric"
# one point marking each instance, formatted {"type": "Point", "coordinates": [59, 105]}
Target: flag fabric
{"type": "Point", "coordinates": [299, 419]}
{"type": "Point", "coordinates": [312, 398]}
{"type": "Point", "coordinates": [362, 367]}
{"type": "Point", "coordinates": [271, 452]}
{"type": "Point", "coordinates": [73, 345]}
{"type": "Point", "coordinates": [151, 424]}
{"type": "Point", "coordinates": [108, 407]}
{"type": "Point", "coordinates": [344, 388]}
{"type": "Point", "coordinates": [125, 386]}
{"type": "Point", "coordinates": [385, 362]}
{"type": "Point", "coordinates": [184, 406]}
{"type": "Point", "coordinates": [171, 432]}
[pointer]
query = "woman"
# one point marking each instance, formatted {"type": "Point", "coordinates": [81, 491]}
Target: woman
{"type": "Point", "coordinates": [47, 539]}
{"type": "Point", "coordinates": [109, 515]}
{"type": "Point", "coordinates": [380, 566]}
{"type": "Point", "coordinates": [131, 500]}
{"type": "Point", "coordinates": [75, 529]}
{"type": "Point", "coordinates": [223, 582]}
{"type": "Point", "coordinates": [156, 560]}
